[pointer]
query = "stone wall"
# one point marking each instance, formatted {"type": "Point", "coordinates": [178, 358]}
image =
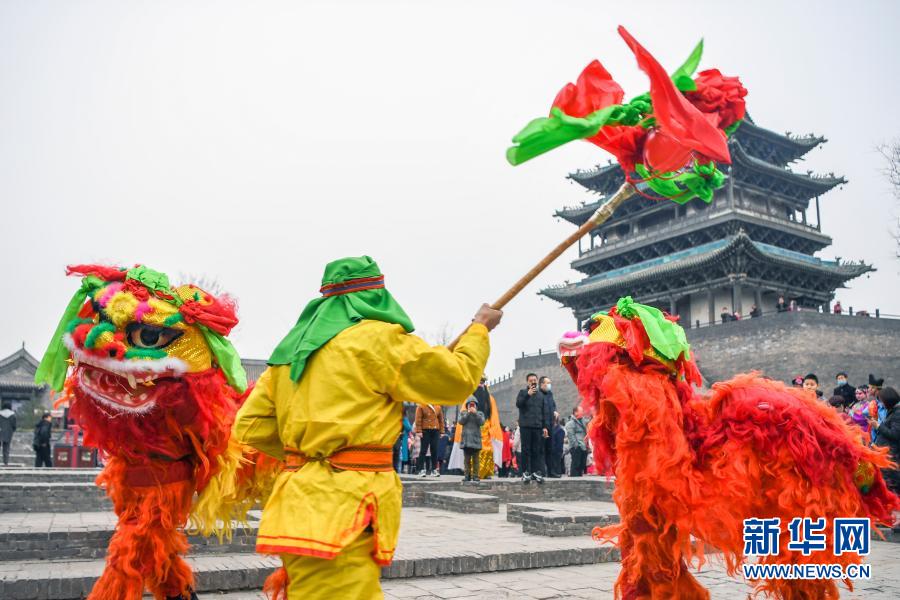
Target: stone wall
{"type": "Point", "coordinates": [781, 345]}
{"type": "Point", "coordinates": [784, 345]}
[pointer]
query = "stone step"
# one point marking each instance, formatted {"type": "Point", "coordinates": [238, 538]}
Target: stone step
{"type": "Point", "coordinates": [462, 502]}
{"type": "Point", "coordinates": [56, 496]}
{"type": "Point", "coordinates": [79, 536]}
{"type": "Point", "coordinates": [39, 490]}
{"type": "Point", "coordinates": [562, 519]}
{"type": "Point", "coordinates": [68, 580]}
{"type": "Point", "coordinates": [47, 475]}
{"type": "Point", "coordinates": [511, 489]}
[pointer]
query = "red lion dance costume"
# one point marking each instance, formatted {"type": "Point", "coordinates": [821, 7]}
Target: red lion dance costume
{"type": "Point", "coordinates": [155, 386]}
{"type": "Point", "coordinates": [691, 466]}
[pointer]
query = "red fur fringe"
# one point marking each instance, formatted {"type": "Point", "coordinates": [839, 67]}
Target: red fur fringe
{"type": "Point", "coordinates": [276, 585]}
{"type": "Point", "coordinates": [148, 545]}
{"type": "Point", "coordinates": [192, 418]}
{"type": "Point", "coordinates": [688, 465]}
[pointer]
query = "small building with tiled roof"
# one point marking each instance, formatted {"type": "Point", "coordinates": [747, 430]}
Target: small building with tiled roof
{"type": "Point", "coordinates": [17, 385]}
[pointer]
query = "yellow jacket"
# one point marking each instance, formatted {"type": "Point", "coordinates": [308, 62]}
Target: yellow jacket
{"type": "Point", "coordinates": [351, 393]}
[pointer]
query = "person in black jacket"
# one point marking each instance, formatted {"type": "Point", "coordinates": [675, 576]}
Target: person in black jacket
{"type": "Point", "coordinates": [41, 443]}
{"type": "Point", "coordinates": [7, 429]}
{"type": "Point", "coordinates": [844, 389]}
{"type": "Point", "coordinates": [889, 435]}
{"type": "Point", "coordinates": [555, 467]}
{"type": "Point", "coordinates": [545, 386]}
{"type": "Point", "coordinates": [533, 427]}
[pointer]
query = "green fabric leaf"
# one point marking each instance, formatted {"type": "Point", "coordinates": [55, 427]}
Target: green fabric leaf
{"type": "Point", "coordinates": [683, 75]}
{"type": "Point", "coordinates": [700, 182]}
{"type": "Point", "coordinates": [663, 184]}
{"type": "Point", "coordinates": [325, 317]}
{"type": "Point", "coordinates": [53, 367]}
{"type": "Point", "coordinates": [227, 358]}
{"type": "Point", "coordinates": [546, 133]}
{"type": "Point", "coordinates": [154, 280]}
{"type": "Point", "coordinates": [666, 337]}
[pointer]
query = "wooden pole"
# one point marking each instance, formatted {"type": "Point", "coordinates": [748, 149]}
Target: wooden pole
{"type": "Point", "coordinates": [600, 216]}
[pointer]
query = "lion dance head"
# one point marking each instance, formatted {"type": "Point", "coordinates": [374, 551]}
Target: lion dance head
{"type": "Point", "coordinates": [152, 372]}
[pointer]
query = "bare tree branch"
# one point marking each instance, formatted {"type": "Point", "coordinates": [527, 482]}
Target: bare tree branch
{"type": "Point", "coordinates": [442, 336]}
{"type": "Point", "coordinates": [891, 154]}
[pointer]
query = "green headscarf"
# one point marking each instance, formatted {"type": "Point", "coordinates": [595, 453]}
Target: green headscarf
{"type": "Point", "coordinates": [325, 317]}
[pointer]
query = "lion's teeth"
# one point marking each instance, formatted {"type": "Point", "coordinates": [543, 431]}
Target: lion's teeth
{"type": "Point", "coordinates": [131, 381]}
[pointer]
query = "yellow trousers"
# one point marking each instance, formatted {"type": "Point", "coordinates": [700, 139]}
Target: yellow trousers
{"type": "Point", "coordinates": [352, 574]}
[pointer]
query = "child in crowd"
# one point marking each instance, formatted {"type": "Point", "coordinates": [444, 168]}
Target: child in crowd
{"type": "Point", "coordinates": [470, 441]}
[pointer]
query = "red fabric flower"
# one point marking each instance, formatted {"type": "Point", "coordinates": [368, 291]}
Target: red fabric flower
{"type": "Point", "coordinates": [624, 142]}
{"type": "Point", "coordinates": [594, 89]}
{"type": "Point", "coordinates": [137, 289]}
{"type": "Point", "coordinates": [217, 314]}
{"type": "Point", "coordinates": [675, 116]}
{"type": "Point", "coordinates": [719, 94]}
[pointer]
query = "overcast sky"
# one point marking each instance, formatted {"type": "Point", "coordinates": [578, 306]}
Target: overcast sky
{"type": "Point", "coordinates": [252, 142]}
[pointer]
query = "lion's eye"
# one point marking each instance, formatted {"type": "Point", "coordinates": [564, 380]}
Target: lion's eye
{"type": "Point", "coordinates": [141, 335]}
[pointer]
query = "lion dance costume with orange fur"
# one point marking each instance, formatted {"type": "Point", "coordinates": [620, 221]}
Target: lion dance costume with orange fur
{"type": "Point", "coordinates": [155, 386]}
{"type": "Point", "coordinates": [690, 468]}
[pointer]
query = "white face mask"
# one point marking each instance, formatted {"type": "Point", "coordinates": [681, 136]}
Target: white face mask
{"type": "Point", "coordinates": [547, 387]}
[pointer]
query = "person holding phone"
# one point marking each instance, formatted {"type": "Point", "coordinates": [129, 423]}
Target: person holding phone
{"type": "Point", "coordinates": [533, 423]}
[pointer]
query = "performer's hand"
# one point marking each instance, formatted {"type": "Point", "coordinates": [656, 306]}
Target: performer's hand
{"type": "Point", "coordinates": [545, 432]}
{"type": "Point", "coordinates": [488, 317]}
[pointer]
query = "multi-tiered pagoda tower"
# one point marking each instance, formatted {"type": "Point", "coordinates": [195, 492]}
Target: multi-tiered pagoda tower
{"type": "Point", "coordinates": [754, 242]}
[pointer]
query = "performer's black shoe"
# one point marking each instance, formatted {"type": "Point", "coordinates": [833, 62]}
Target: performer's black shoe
{"type": "Point", "coordinates": [193, 596]}
{"type": "Point", "coordinates": [476, 479]}
{"type": "Point", "coordinates": [538, 477]}
{"type": "Point", "coordinates": [467, 479]}
{"type": "Point", "coordinates": [526, 478]}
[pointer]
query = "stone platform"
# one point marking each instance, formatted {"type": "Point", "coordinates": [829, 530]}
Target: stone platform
{"type": "Point", "coordinates": [433, 542]}
{"type": "Point", "coordinates": [73, 490]}
{"type": "Point", "coordinates": [562, 519]}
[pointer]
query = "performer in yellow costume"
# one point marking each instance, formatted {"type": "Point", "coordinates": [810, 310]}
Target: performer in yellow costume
{"type": "Point", "coordinates": [330, 405]}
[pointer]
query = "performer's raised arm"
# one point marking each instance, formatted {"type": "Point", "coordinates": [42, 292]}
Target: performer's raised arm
{"type": "Point", "coordinates": [436, 375]}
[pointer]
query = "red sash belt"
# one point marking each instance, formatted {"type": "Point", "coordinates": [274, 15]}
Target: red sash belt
{"type": "Point", "coordinates": [369, 457]}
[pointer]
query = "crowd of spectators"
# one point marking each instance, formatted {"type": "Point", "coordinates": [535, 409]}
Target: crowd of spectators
{"type": "Point", "coordinates": [871, 407]}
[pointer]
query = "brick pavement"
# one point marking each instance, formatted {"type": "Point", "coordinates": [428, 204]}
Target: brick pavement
{"type": "Point", "coordinates": [596, 582]}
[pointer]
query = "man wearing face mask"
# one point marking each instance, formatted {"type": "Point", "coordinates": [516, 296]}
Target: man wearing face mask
{"type": "Point", "coordinates": [533, 425]}
{"type": "Point", "coordinates": [844, 389]}
{"type": "Point", "coordinates": [546, 387]}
